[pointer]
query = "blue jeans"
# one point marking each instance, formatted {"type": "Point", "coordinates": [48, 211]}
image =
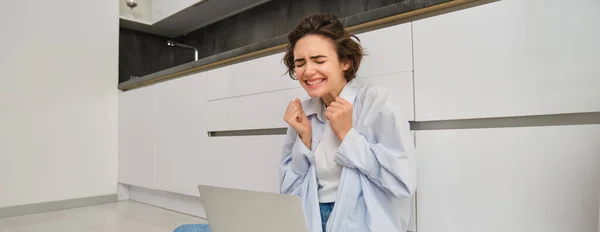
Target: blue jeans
{"type": "Point", "coordinates": [193, 228]}
{"type": "Point", "coordinates": [325, 208]}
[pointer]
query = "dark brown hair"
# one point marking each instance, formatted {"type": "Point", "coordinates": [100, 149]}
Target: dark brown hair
{"type": "Point", "coordinates": [330, 27]}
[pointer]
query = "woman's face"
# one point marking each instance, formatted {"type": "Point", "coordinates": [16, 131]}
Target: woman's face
{"type": "Point", "coordinates": [317, 66]}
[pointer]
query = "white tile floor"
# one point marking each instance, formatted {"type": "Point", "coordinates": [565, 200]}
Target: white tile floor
{"type": "Point", "coordinates": [122, 216]}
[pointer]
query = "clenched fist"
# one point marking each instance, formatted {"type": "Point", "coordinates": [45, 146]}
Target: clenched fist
{"type": "Point", "coordinates": [295, 117]}
{"type": "Point", "coordinates": [339, 114]}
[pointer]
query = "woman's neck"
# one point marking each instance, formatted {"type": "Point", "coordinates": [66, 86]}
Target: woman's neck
{"type": "Point", "coordinates": [330, 97]}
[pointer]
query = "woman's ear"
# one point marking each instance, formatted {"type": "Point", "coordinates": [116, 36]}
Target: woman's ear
{"type": "Point", "coordinates": [346, 63]}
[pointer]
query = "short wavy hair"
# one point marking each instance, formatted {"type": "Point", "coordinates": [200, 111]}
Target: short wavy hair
{"type": "Point", "coordinates": [329, 26]}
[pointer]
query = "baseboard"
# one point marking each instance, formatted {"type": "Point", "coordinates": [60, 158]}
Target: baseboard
{"type": "Point", "coordinates": [20, 210]}
{"type": "Point", "coordinates": [181, 203]}
{"type": "Point", "coordinates": [123, 192]}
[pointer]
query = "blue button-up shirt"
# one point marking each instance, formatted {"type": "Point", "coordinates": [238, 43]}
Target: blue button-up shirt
{"type": "Point", "coordinates": [378, 158]}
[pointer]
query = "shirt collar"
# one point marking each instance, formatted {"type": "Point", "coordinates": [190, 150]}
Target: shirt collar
{"type": "Point", "coordinates": [315, 105]}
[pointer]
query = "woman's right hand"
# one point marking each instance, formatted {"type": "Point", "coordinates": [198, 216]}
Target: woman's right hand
{"type": "Point", "coordinates": [295, 117]}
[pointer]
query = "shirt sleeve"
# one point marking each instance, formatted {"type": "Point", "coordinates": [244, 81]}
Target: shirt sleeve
{"type": "Point", "coordinates": [380, 145]}
{"type": "Point", "coordinates": [294, 165]}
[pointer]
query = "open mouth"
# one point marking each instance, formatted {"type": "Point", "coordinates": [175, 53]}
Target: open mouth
{"type": "Point", "coordinates": [314, 82]}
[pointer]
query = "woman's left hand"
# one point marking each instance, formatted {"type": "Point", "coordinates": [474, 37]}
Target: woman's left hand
{"type": "Point", "coordinates": [339, 114]}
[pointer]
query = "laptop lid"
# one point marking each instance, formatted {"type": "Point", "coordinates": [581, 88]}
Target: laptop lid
{"type": "Point", "coordinates": [236, 210]}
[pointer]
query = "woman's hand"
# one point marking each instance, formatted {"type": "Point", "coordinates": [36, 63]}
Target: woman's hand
{"type": "Point", "coordinates": [339, 114]}
{"type": "Point", "coordinates": [295, 117]}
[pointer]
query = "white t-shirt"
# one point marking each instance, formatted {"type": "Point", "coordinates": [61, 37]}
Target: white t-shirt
{"type": "Point", "coordinates": [328, 171]}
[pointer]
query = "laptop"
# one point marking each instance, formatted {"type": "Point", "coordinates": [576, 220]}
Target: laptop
{"type": "Point", "coordinates": [236, 210]}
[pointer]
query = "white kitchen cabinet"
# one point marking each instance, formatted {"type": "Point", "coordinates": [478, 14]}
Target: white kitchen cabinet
{"type": "Point", "coordinates": [258, 75]}
{"type": "Point", "coordinates": [265, 110]}
{"type": "Point", "coordinates": [509, 179]}
{"type": "Point", "coordinates": [400, 89]}
{"type": "Point", "coordinates": [388, 50]}
{"type": "Point", "coordinates": [257, 111]}
{"type": "Point", "coordinates": [180, 136]}
{"type": "Point", "coordinates": [245, 162]}
{"type": "Point", "coordinates": [136, 137]}
{"type": "Point", "coordinates": [508, 58]}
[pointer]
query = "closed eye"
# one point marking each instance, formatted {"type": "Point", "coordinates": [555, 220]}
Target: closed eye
{"type": "Point", "coordinates": [317, 59]}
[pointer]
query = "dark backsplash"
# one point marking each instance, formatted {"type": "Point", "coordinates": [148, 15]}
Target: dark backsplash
{"type": "Point", "coordinates": [141, 53]}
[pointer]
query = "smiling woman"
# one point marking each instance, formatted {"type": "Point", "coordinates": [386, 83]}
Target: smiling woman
{"type": "Point", "coordinates": [322, 55]}
{"type": "Point", "coordinates": [348, 153]}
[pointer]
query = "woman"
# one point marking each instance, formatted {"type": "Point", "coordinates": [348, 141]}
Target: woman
{"type": "Point", "coordinates": [348, 154]}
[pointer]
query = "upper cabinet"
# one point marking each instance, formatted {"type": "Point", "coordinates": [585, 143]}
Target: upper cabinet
{"type": "Point", "coordinates": [173, 18]}
{"type": "Point", "coordinates": [141, 13]}
{"type": "Point", "coordinates": [508, 58]}
{"type": "Point", "coordinates": [162, 9]}
{"type": "Point", "coordinates": [152, 11]}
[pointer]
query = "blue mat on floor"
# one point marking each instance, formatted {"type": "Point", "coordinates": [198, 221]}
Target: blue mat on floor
{"type": "Point", "coordinates": [193, 228]}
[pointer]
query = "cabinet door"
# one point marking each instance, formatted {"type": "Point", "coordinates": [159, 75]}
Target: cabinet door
{"type": "Point", "coordinates": [259, 75]}
{"type": "Point", "coordinates": [256, 111]}
{"type": "Point", "coordinates": [509, 179]}
{"type": "Point", "coordinates": [508, 58]}
{"type": "Point", "coordinates": [136, 137]}
{"type": "Point", "coordinates": [180, 134]}
{"type": "Point", "coordinates": [245, 162]}
{"type": "Point", "coordinates": [389, 50]}
{"type": "Point", "coordinates": [400, 89]}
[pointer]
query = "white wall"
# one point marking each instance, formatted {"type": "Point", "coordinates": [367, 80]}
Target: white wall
{"type": "Point", "coordinates": [58, 100]}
